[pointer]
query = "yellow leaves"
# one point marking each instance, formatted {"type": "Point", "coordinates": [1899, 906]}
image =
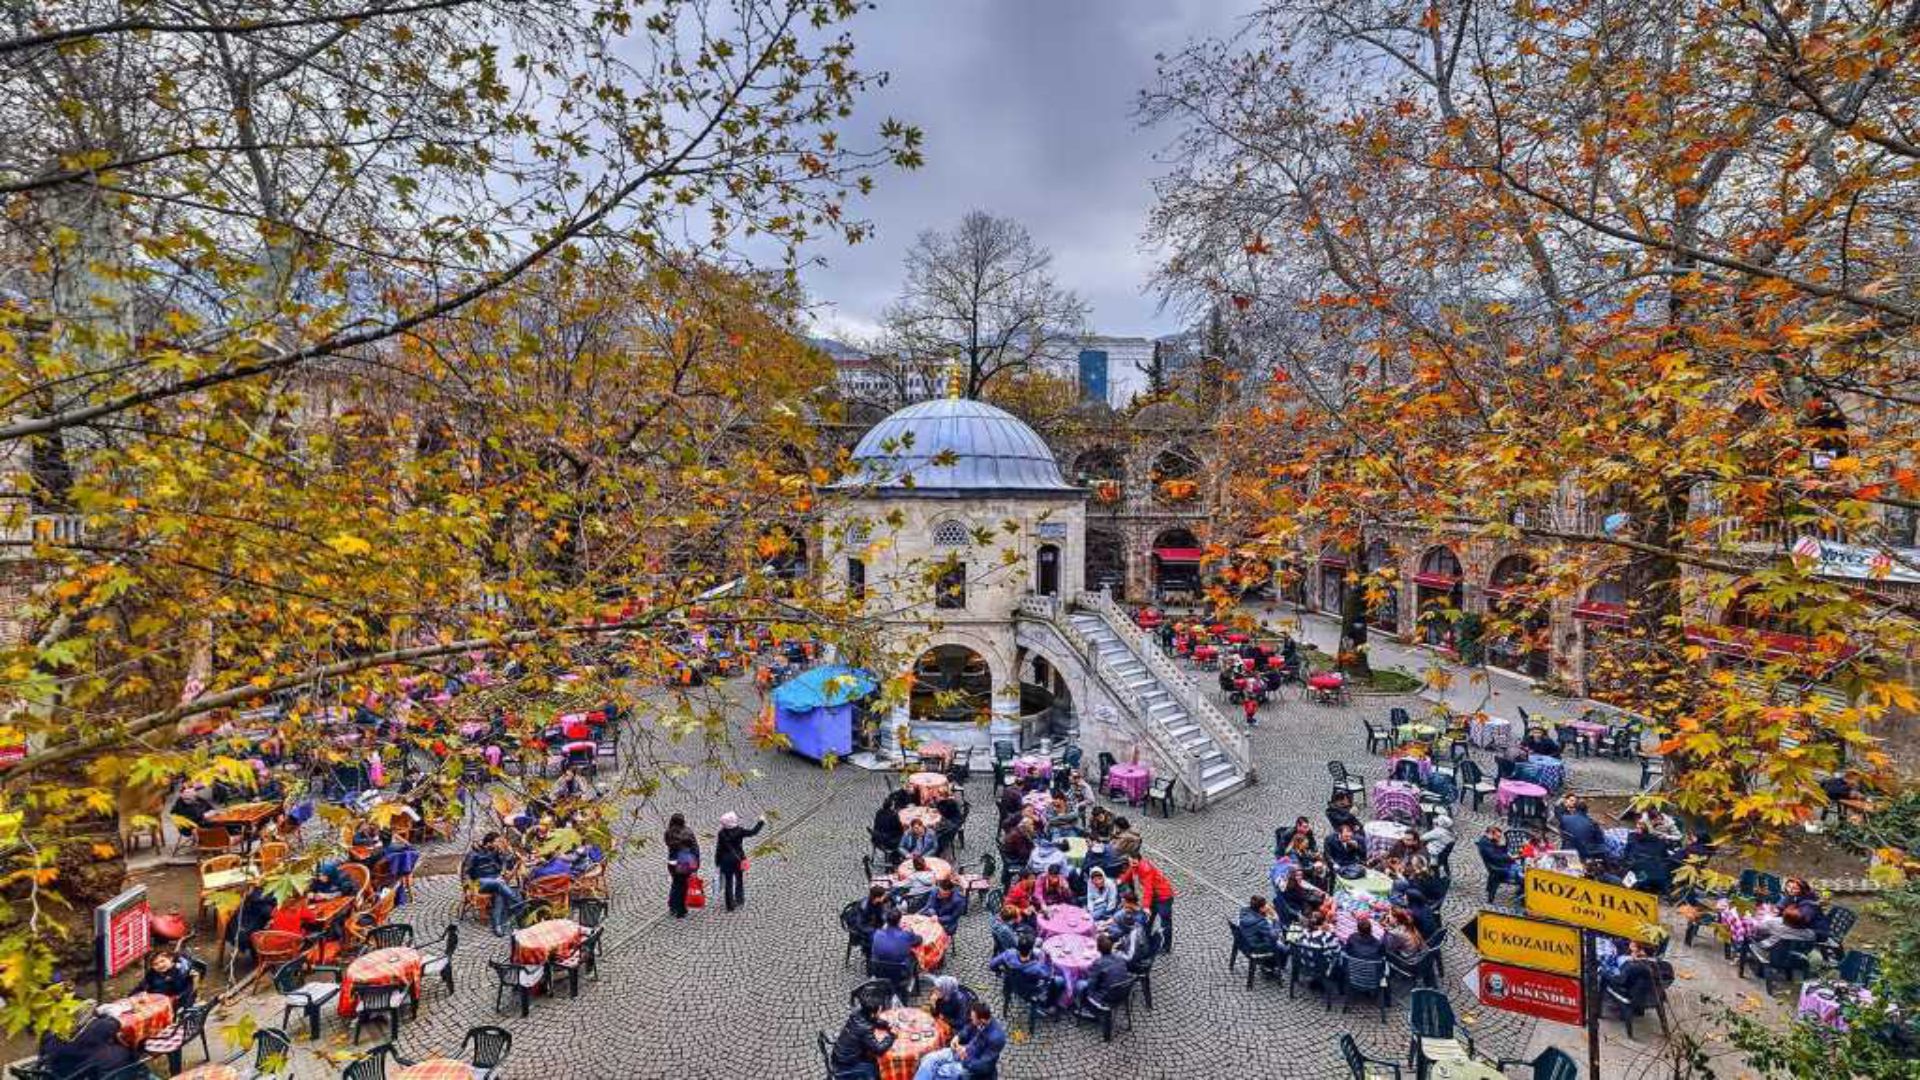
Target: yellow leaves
{"type": "Point", "coordinates": [348, 544]}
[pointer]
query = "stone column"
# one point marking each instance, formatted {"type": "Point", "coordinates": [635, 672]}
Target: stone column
{"type": "Point", "coordinates": [897, 717]}
{"type": "Point", "coordinates": [1005, 723]}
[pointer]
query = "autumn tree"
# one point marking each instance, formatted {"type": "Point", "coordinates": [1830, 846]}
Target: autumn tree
{"type": "Point", "coordinates": [1630, 287]}
{"type": "Point", "coordinates": [983, 296]}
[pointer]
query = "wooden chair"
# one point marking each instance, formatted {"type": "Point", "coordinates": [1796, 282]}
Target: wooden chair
{"type": "Point", "coordinates": [272, 853]}
{"type": "Point", "coordinates": [215, 840]}
{"type": "Point", "coordinates": [362, 876]}
{"type": "Point", "coordinates": [550, 893]}
{"type": "Point", "coordinates": [209, 867]}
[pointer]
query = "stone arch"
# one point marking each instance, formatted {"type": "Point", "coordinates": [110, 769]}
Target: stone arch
{"type": "Point", "coordinates": [1102, 470]}
{"type": "Point", "coordinates": [1175, 558]}
{"type": "Point", "coordinates": [1176, 474]}
{"type": "Point", "coordinates": [951, 668]}
{"type": "Point", "coordinates": [1524, 642]}
{"type": "Point", "coordinates": [1439, 593]}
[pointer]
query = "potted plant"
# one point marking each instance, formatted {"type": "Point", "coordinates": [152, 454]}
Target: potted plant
{"type": "Point", "coordinates": [1107, 491]}
{"type": "Point", "coordinates": [1178, 490]}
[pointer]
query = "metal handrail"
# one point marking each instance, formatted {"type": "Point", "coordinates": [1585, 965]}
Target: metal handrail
{"type": "Point", "coordinates": [1230, 738]}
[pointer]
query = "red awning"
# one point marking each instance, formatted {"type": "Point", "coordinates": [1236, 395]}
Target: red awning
{"type": "Point", "coordinates": [1601, 611]}
{"type": "Point", "coordinates": [1179, 555]}
{"type": "Point", "coordinates": [1762, 644]}
{"type": "Point", "coordinates": [1436, 581]}
{"type": "Point", "coordinates": [1333, 562]}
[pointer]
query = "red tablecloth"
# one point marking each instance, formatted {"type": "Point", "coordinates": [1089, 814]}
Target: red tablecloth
{"type": "Point", "coordinates": [303, 914]}
{"type": "Point", "coordinates": [397, 966]}
{"type": "Point", "coordinates": [926, 814]}
{"type": "Point", "coordinates": [929, 786]}
{"type": "Point", "coordinates": [915, 1035]}
{"type": "Point", "coordinates": [1326, 680]}
{"type": "Point", "coordinates": [1132, 778]}
{"type": "Point", "coordinates": [141, 1016]}
{"type": "Point", "coordinates": [1065, 919]}
{"type": "Point", "coordinates": [536, 943]}
{"type": "Point", "coordinates": [1205, 652]}
{"type": "Point", "coordinates": [1236, 639]}
{"type": "Point", "coordinates": [932, 949]}
{"type": "Point", "coordinates": [436, 1069]}
{"type": "Point", "coordinates": [937, 753]}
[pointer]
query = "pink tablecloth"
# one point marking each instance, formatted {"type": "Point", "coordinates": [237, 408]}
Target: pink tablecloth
{"type": "Point", "coordinates": [1822, 1001]}
{"type": "Point", "coordinates": [1065, 920]}
{"type": "Point", "coordinates": [1396, 798]}
{"type": "Point", "coordinates": [929, 786]}
{"type": "Point", "coordinates": [1072, 955]}
{"type": "Point", "coordinates": [1510, 790]}
{"type": "Point", "coordinates": [1024, 767]}
{"type": "Point", "coordinates": [1132, 779]}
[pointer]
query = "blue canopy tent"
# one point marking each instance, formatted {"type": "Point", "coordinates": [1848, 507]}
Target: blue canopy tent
{"type": "Point", "coordinates": [814, 709]}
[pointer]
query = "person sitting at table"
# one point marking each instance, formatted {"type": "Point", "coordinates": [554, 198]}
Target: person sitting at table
{"type": "Point", "coordinates": [950, 1001]}
{"type": "Point", "coordinates": [1439, 837]}
{"type": "Point", "coordinates": [1411, 853]}
{"type": "Point", "coordinates": [1318, 935]}
{"type": "Point", "coordinates": [872, 913]}
{"type": "Point", "coordinates": [1541, 743]}
{"type": "Point", "coordinates": [1299, 896]}
{"type": "Point", "coordinates": [492, 867]}
{"type": "Point", "coordinates": [1016, 844]}
{"type": "Point", "coordinates": [1422, 910]}
{"type": "Point", "coordinates": [573, 784]}
{"type": "Point", "coordinates": [166, 974]}
{"type": "Point", "coordinates": [1364, 944]}
{"type": "Point", "coordinates": [254, 913]}
{"type": "Point", "coordinates": [193, 804]}
{"type": "Point", "coordinates": [1099, 824]}
{"type": "Point", "coordinates": [1103, 897]}
{"type": "Point", "coordinates": [1025, 893]}
{"type": "Point", "coordinates": [947, 904]}
{"type": "Point", "coordinates": [1301, 834]}
{"type": "Point", "coordinates": [1046, 853]}
{"type": "Point", "coordinates": [1079, 793]}
{"type": "Point", "coordinates": [887, 831]}
{"type": "Point", "coordinates": [1053, 887]}
{"type": "Point", "coordinates": [1126, 839]}
{"type": "Point", "coordinates": [918, 841]}
{"type": "Point", "coordinates": [921, 877]}
{"type": "Point", "coordinates": [330, 880]}
{"type": "Point", "coordinates": [1319, 874]}
{"type": "Point", "coordinates": [1649, 858]}
{"type": "Point", "coordinates": [862, 1039]}
{"type": "Point", "coordinates": [1500, 863]}
{"type": "Point", "coordinates": [1106, 972]}
{"type": "Point", "coordinates": [1404, 939]}
{"type": "Point", "coordinates": [93, 1050]}
{"type": "Point", "coordinates": [1340, 812]}
{"type": "Point", "coordinates": [1580, 832]}
{"type": "Point", "coordinates": [1007, 802]}
{"type": "Point", "coordinates": [1029, 959]}
{"type": "Point", "coordinates": [973, 1053]}
{"type": "Point", "coordinates": [1800, 895]}
{"type": "Point", "coordinates": [1060, 820]}
{"type": "Point", "coordinates": [1345, 849]}
{"type": "Point", "coordinates": [1256, 924]}
{"type": "Point", "coordinates": [893, 943]}
{"type": "Point", "coordinates": [952, 815]}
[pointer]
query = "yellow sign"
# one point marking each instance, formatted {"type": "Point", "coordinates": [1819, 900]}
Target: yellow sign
{"type": "Point", "coordinates": [1610, 909]}
{"type": "Point", "coordinates": [1529, 943]}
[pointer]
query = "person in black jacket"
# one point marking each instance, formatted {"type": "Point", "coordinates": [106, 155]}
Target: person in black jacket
{"type": "Point", "coordinates": [1105, 973]}
{"type": "Point", "coordinates": [169, 975]}
{"type": "Point", "coordinates": [1650, 857]}
{"type": "Point", "coordinates": [730, 853]}
{"type": "Point", "coordinates": [683, 861]}
{"type": "Point", "coordinates": [94, 1050]}
{"type": "Point", "coordinates": [1500, 863]}
{"type": "Point", "coordinates": [1581, 833]}
{"type": "Point", "coordinates": [1345, 849]}
{"type": "Point", "coordinates": [1340, 812]}
{"type": "Point", "coordinates": [863, 1038]}
{"type": "Point", "coordinates": [1364, 944]}
{"type": "Point", "coordinates": [887, 829]}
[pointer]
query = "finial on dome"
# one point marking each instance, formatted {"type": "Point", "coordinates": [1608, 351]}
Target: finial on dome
{"type": "Point", "coordinates": [955, 381]}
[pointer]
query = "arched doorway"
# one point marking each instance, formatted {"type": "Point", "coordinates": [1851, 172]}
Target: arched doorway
{"type": "Point", "coordinates": [953, 683]}
{"type": "Point", "coordinates": [1176, 562]}
{"type": "Point", "coordinates": [1332, 593]}
{"type": "Point", "coordinates": [1383, 608]}
{"type": "Point", "coordinates": [1437, 597]}
{"type": "Point", "coordinates": [1046, 700]}
{"type": "Point", "coordinates": [1605, 632]}
{"type": "Point", "coordinates": [1106, 561]}
{"type": "Point", "coordinates": [1047, 570]}
{"type": "Point", "coordinates": [1521, 640]}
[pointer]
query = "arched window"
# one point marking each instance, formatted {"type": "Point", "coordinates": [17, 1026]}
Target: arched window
{"type": "Point", "coordinates": [951, 534]}
{"type": "Point", "coordinates": [856, 579]}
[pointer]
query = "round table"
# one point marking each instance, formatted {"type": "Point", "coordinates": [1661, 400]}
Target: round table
{"type": "Point", "coordinates": [1072, 955]}
{"type": "Point", "coordinates": [1382, 835]}
{"type": "Point", "coordinates": [1372, 883]}
{"type": "Point", "coordinates": [915, 1035]}
{"type": "Point", "coordinates": [929, 786]}
{"type": "Point", "coordinates": [141, 1016]}
{"type": "Point", "coordinates": [1595, 734]}
{"type": "Point", "coordinates": [1391, 796]}
{"type": "Point", "coordinates": [932, 949]}
{"type": "Point", "coordinates": [1131, 778]}
{"type": "Point", "coordinates": [926, 815]}
{"type": "Point", "coordinates": [941, 868]}
{"type": "Point", "coordinates": [1031, 766]}
{"type": "Point", "coordinates": [1423, 765]}
{"type": "Point", "coordinates": [1510, 790]}
{"type": "Point", "coordinates": [1065, 919]}
{"type": "Point", "coordinates": [537, 943]}
{"type": "Point", "coordinates": [397, 966]}
{"type": "Point", "coordinates": [1039, 802]}
{"type": "Point", "coordinates": [436, 1069]}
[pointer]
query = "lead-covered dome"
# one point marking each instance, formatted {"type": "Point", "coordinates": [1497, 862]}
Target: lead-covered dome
{"type": "Point", "coordinates": [953, 445]}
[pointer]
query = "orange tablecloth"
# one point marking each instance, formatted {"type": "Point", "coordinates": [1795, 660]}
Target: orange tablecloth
{"type": "Point", "coordinates": [141, 1017]}
{"type": "Point", "coordinates": [542, 940]}
{"type": "Point", "coordinates": [212, 1071]}
{"type": "Point", "coordinates": [925, 814]}
{"type": "Point", "coordinates": [928, 786]}
{"type": "Point", "coordinates": [933, 940]}
{"type": "Point", "coordinates": [302, 914]}
{"type": "Point", "coordinates": [916, 1034]}
{"type": "Point", "coordinates": [436, 1069]}
{"type": "Point", "coordinates": [941, 868]}
{"type": "Point", "coordinates": [935, 752]}
{"type": "Point", "coordinates": [397, 966]}
{"type": "Point", "coordinates": [246, 814]}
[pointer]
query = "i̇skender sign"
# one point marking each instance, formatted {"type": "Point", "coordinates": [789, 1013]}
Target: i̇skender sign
{"type": "Point", "coordinates": [1528, 943]}
{"type": "Point", "coordinates": [1610, 909]}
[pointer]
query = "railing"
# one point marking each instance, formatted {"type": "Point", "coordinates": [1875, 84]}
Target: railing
{"type": "Point", "coordinates": [19, 533]}
{"type": "Point", "coordinates": [1183, 763]}
{"type": "Point", "coordinates": [1177, 682]}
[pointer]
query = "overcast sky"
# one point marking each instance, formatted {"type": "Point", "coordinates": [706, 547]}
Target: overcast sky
{"type": "Point", "coordinates": [1028, 109]}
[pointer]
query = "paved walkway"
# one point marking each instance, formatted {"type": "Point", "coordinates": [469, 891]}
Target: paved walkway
{"type": "Point", "coordinates": [743, 994]}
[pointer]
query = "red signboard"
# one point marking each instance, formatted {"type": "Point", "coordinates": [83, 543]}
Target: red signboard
{"type": "Point", "coordinates": [123, 928]}
{"type": "Point", "coordinates": [1536, 993]}
{"type": "Point", "coordinates": [13, 753]}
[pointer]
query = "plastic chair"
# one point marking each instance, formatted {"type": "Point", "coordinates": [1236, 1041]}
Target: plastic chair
{"type": "Point", "coordinates": [1858, 968]}
{"type": "Point", "coordinates": [381, 1003]}
{"type": "Point", "coordinates": [1364, 1067]}
{"type": "Point", "coordinates": [507, 978]}
{"type": "Point", "coordinates": [904, 975]}
{"type": "Point", "coordinates": [1377, 741]}
{"type": "Point", "coordinates": [1314, 965]}
{"type": "Point", "coordinates": [1036, 993]}
{"type": "Point", "coordinates": [191, 1024]}
{"type": "Point", "coordinates": [1255, 956]}
{"type": "Point", "coordinates": [1367, 977]}
{"type": "Point", "coordinates": [1141, 968]}
{"type": "Point", "coordinates": [390, 936]}
{"type": "Point", "coordinates": [1343, 782]}
{"type": "Point", "coordinates": [439, 961]}
{"type": "Point", "coordinates": [1474, 782]}
{"type": "Point", "coordinates": [490, 1047]}
{"type": "Point", "coordinates": [299, 991]}
{"type": "Point", "coordinates": [1550, 1065]}
{"type": "Point", "coordinates": [272, 1054]}
{"type": "Point", "coordinates": [1101, 1011]}
{"type": "Point", "coordinates": [1431, 1017]}
{"type": "Point", "coordinates": [374, 1065]}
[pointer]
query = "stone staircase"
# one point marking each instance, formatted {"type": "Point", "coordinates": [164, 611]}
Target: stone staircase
{"type": "Point", "coordinates": [1218, 774]}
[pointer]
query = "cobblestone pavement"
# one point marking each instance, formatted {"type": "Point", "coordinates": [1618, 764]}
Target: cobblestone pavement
{"type": "Point", "coordinates": [742, 994]}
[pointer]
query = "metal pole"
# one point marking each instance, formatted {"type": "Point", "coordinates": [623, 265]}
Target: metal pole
{"type": "Point", "coordinates": [1589, 989]}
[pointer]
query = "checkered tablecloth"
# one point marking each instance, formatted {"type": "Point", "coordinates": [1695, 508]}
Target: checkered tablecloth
{"type": "Point", "coordinates": [1382, 835]}
{"type": "Point", "coordinates": [1548, 772]}
{"type": "Point", "coordinates": [1490, 732]}
{"type": "Point", "coordinates": [1396, 798]}
{"type": "Point", "coordinates": [932, 950]}
{"type": "Point", "coordinates": [436, 1069]}
{"type": "Point", "coordinates": [928, 786]}
{"type": "Point", "coordinates": [1024, 767]}
{"type": "Point", "coordinates": [1131, 778]}
{"type": "Point", "coordinates": [397, 966]}
{"type": "Point", "coordinates": [925, 814]}
{"type": "Point", "coordinates": [536, 943]}
{"type": "Point", "coordinates": [915, 1035]}
{"type": "Point", "coordinates": [141, 1016]}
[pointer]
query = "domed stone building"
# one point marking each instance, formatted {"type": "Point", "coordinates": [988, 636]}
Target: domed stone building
{"type": "Point", "coordinates": [954, 513]}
